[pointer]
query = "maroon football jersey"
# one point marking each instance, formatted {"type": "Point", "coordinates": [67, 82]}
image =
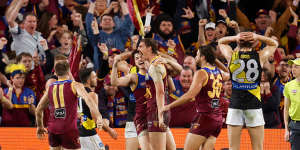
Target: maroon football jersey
{"type": "Point", "coordinates": [63, 107]}
{"type": "Point", "coordinates": [208, 100]}
{"type": "Point", "coordinates": [151, 92]}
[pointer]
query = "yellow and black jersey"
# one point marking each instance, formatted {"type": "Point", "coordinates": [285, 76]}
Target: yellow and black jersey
{"type": "Point", "coordinates": [245, 71]}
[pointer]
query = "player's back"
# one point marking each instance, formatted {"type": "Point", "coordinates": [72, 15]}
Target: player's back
{"type": "Point", "coordinates": [208, 98]}
{"type": "Point", "coordinates": [63, 107]}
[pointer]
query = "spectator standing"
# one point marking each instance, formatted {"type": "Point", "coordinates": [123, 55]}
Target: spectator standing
{"type": "Point", "coordinates": [112, 34]}
{"type": "Point", "coordinates": [25, 39]}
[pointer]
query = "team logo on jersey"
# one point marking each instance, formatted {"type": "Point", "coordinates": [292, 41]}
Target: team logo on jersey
{"type": "Point", "coordinates": [196, 125]}
{"type": "Point", "coordinates": [294, 91]}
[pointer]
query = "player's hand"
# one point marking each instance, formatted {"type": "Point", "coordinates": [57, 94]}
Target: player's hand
{"type": "Point", "coordinates": [99, 123]}
{"type": "Point", "coordinates": [162, 125]}
{"type": "Point", "coordinates": [41, 131]}
{"type": "Point", "coordinates": [287, 135]}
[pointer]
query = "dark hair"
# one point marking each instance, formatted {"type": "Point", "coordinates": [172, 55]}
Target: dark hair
{"type": "Point", "coordinates": [107, 15]}
{"type": "Point", "coordinates": [28, 14]}
{"type": "Point", "coordinates": [62, 68]}
{"type": "Point", "coordinates": [23, 54]}
{"type": "Point", "coordinates": [208, 52]}
{"type": "Point", "coordinates": [82, 10]}
{"type": "Point", "coordinates": [84, 74]}
{"type": "Point", "coordinates": [151, 43]}
{"type": "Point", "coordinates": [245, 44]}
{"type": "Point", "coordinates": [43, 25]}
{"type": "Point", "coordinates": [60, 57]}
{"type": "Point", "coordinates": [161, 18]}
{"type": "Point", "coordinates": [187, 68]}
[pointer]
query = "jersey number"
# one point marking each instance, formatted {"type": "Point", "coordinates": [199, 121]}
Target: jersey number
{"type": "Point", "coordinates": [252, 70]}
{"type": "Point", "coordinates": [60, 111]}
{"type": "Point", "coordinates": [216, 85]}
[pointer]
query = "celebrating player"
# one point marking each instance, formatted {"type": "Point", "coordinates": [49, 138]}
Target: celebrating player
{"type": "Point", "coordinates": [206, 89]}
{"type": "Point", "coordinates": [61, 96]}
{"type": "Point", "coordinates": [156, 86]}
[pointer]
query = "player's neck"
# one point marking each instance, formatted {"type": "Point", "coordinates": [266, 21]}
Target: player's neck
{"type": "Point", "coordinates": [206, 64]}
{"type": "Point", "coordinates": [152, 57]}
{"type": "Point", "coordinates": [65, 77]}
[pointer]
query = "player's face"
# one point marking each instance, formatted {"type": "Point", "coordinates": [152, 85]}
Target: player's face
{"type": "Point", "coordinates": [93, 78]}
{"type": "Point", "coordinates": [27, 62]}
{"type": "Point", "coordinates": [145, 51]}
{"type": "Point", "coordinates": [186, 78]}
{"type": "Point", "coordinates": [296, 71]}
{"type": "Point", "coordinates": [138, 61]}
{"type": "Point", "coordinates": [190, 62]}
{"type": "Point", "coordinates": [18, 80]}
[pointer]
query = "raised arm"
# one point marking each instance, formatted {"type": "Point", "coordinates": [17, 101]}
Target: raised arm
{"type": "Point", "coordinates": [225, 48]}
{"type": "Point", "coordinates": [115, 81]}
{"type": "Point", "coordinates": [269, 50]}
{"type": "Point", "coordinates": [13, 11]}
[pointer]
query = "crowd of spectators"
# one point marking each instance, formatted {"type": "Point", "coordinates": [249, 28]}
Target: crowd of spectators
{"type": "Point", "coordinates": [90, 34]}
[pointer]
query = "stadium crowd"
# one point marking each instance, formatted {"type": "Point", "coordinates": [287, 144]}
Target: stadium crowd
{"type": "Point", "coordinates": [90, 34]}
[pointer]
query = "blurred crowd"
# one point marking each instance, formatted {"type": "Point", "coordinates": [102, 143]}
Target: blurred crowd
{"type": "Point", "coordinates": [89, 34]}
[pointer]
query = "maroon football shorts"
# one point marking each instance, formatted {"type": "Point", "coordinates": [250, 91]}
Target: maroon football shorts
{"type": "Point", "coordinates": [140, 122]}
{"type": "Point", "coordinates": [153, 124]}
{"type": "Point", "coordinates": [68, 140]}
{"type": "Point", "coordinates": [207, 124]}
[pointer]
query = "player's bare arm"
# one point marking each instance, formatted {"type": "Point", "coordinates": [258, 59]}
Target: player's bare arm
{"type": "Point", "coordinates": [156, 72]}
{"type": "Point", "coordinates": [89, 101]}
{"type": "Point", "coordinates": [199, 80]}
{"type": "Point", "coordinates": [269, 50]}
{"type": "Point", "coordinates": [122, 81]}
{"type": "Point", "coordinates": [39, 114]}
{"type": "Point", "coordinates": [171, 85]}
{"type": "Point", "coordinates": [287, 103]}
{"type": "Point", "coordinates": [225, 48]}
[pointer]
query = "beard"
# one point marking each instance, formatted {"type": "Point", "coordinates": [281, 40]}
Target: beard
{"type": "Point", "coordinates": [166, 36]}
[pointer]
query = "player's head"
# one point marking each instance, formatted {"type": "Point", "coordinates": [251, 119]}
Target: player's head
{"type": "Point", "coordinates": [205, 54]}
{"type": "Point", "coordinates": [138, 60]}
{"type": "Point", "coordinates": [59, 58]}
{"type": "Point", "coordinates": [62, 68]}
{"type": "Point", "coordinates": [186, 77]}
{"type": "Point", "coordinates": [246, 40]}
{"type": "Point", "coordinates": [88, 76]}
{"type": "Point", "coordinates": [25, 59]}
{"type": "Point", "coordinates": [148, 47]}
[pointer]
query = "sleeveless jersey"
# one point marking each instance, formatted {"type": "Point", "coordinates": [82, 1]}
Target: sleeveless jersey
{"type": "Point", "coordinates": [88, 125]}
{"type": "Point", "coordinates": [208, 99]}
{"type": "Point", "coordinates": [63, 107]}
{"type": "Point", "coordinates": [151, 92]}
{"type": "Point", "coordinates": [139, 92]}
{"type": "Point", "coordinates": [245, 71]}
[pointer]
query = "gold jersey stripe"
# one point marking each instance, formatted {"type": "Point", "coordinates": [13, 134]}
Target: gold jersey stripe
{"type": "Point", "coordinates": [54, 95]}
{"type": "Point", "coordinates": [61, 95]}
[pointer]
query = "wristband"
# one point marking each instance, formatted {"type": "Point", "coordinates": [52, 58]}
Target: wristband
{"type": "Point", "coordinates": [171, 51]}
